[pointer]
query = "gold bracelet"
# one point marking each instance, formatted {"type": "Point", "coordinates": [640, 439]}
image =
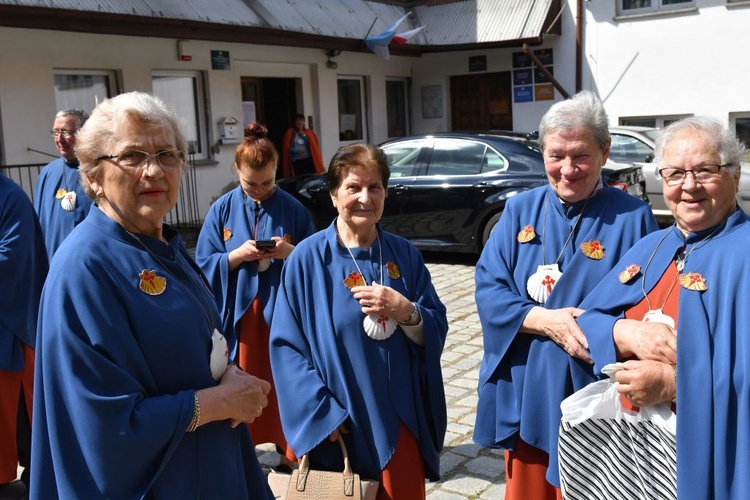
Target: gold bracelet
{"type": "Point", "coordinates": [196, 421]}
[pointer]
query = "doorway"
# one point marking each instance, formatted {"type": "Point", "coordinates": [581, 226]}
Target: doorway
{"type": "Point", "coordinates": [276, 102]}
{"type": "Point", "coordinates": [482, 102]}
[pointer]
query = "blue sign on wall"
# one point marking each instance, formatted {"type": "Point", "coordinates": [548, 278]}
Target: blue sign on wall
{"type": "Point", "coordinates": [522, 76]}
{"type": "Point", "coordinates": [523, 94]}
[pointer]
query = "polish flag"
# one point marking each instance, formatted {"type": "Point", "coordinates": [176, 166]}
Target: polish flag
{"type": "Point", "coordinates": [379, 43]}
{"type": "Point", "coordinates": [402, 38]}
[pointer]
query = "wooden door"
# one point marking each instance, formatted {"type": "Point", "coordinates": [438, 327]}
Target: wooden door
{"type": "Point", "coordinates": [482, 102]}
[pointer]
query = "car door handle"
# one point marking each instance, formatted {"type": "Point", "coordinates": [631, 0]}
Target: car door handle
{"type": "Point", "coordinates": [399, 188]}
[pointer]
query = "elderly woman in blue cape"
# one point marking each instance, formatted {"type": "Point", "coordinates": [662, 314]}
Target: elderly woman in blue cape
{"type": "Point", "coordinates": [356, 339]}
{"type": "Point", "coordinates": [549, 249]}
{"type": "Point", "coordinates": [133, 395]}
{"type": "Point", "coordinates": [689, 278]}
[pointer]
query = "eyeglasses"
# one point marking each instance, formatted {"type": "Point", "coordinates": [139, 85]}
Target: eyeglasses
{"type": "Point", "coordinates": [705, 174]}
{"type": "Point", "coordinates": [134, 159]}
{"type": "Point", "coordinates": [67, 134]}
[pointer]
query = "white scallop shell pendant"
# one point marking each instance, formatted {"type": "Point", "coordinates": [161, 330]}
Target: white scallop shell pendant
{"type": "Point", "coordinates": [541, 283]}
{"type": "Point", "coordinates": [657, 316]}
{"type": "Point", "coordinates": [379, 327]}
{"type": "Point", "coordinates": [263, 264]}
{"type": "Point", "coordinates": [68, 202]}
{"type": "Point", "coordinates": [219, 354]}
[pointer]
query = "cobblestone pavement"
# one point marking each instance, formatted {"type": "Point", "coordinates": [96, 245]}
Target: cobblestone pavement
{"type": "Point", "coordinates": [467, 471]}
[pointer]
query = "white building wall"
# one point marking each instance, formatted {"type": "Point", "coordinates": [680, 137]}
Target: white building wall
{"type": "Point", "coordinates": [27, 100]}
{"type": "Point", "coordinates": [693, 63]}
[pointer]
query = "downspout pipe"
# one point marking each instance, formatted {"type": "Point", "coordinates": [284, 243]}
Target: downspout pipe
{"type": "Point", "coordinates": [579, 44]}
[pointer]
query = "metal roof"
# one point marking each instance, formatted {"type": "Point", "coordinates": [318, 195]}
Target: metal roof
{"type": "Point", "coordinates": [454, 23]}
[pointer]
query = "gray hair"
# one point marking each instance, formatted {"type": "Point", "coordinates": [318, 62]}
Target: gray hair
{"type": "Point", "coordinates": [81, 116]}
{"type": "Point", "coordinates": [582, 110]}
{"type": "Point", "coordinates": [110, 119]}
{"type": "Point", "coordinates": [719, 136]}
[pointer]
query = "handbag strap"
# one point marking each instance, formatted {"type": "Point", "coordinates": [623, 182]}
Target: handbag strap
{"type": "Point", "coordinates": [348, 475]}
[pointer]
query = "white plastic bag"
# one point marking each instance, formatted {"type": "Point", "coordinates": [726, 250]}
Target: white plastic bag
{"type": "Point", "coordinates": [606, 451]}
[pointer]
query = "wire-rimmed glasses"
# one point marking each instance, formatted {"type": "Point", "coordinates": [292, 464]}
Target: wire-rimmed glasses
{"type": "Point", "coordinates": [704, 174]}
{"type": "Point", "coordinates": [135, 159]}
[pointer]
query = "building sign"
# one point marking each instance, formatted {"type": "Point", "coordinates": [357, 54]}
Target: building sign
{"type": "Point", "coordinates": [478, 63]}
{"type": "Point", "coordinates": [220, 59]}
{"type": "Point", "coordinates": [530, 83]}
{"type": "Point", "coordinates": [522, 76]}
{"type": "Point", "coordinates": [544, 92]}
{"type": "Point", "coordinates": [432, 101]}
{"type": "Point", "coordinates": [523, 94]}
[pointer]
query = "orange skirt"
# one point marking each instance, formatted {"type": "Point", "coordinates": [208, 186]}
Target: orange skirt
{"type": "Point", "coordinates": [11, 384]}
{"type": "Point", "coordinates": [525, 468]}
{"type": "Point", "coordinates": [403, 476]}
{"type": "Point", "coordinates": [254, 358]}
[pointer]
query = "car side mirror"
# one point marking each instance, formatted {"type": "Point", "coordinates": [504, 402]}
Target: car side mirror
{"type": "Point", "coordinates": [649, 158]}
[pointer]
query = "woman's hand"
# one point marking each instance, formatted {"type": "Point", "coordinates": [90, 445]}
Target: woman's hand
{"type": "Point", "coordinates": [383, 300]}
{"type": "Point", "coordinates": [280, 251]}
{"type": "Point", "coordinates": [239, 397]}
{"type": "Point", "coordinates": [561, 327]}
{"type": "Point", "coordinates": [646, 383]}
{"type": "Point", "coordinates": [645, 340]}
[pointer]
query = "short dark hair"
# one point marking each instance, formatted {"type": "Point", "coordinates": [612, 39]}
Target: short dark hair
{"type": "Point", "coordinates": [359, 154]}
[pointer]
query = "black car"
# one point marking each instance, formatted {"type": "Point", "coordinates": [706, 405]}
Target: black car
{"type": "Point", "coordinates": [447, 191]}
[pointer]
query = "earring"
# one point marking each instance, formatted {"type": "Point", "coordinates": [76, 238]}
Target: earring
{"type": "Point", "coordinates": [100, 194]}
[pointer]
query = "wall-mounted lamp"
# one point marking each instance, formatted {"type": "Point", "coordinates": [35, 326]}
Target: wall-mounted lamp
{"type": "Point", "coordinates": [331, 64]}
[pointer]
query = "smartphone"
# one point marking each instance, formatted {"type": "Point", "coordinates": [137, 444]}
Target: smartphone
{"type": "Point", "coordinates": [265, 244]}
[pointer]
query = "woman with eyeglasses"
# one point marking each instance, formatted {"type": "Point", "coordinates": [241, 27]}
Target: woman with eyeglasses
{"type": "Point", "coordinates": [133, 396]}
{"type": "Point", "coordinates": [246, 237]}
{"type": "Point", "coordinates": [689, 278]}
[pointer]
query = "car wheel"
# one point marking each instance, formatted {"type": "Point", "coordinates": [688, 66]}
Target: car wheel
{"type": "Point", "coordinates": [489, 226]}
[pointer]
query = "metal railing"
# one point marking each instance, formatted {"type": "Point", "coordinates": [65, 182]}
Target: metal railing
{"type": "Point", "coordinates": [185, 216]}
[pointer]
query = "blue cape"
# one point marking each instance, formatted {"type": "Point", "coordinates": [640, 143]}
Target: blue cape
{"type": "Point", "coordinates": [23, 267]}
{"type": "Point", "coordinates": [328, 372]}
{"type": "Point", "coordinates": [279, 215]}
{"type": "Point", "coordinates": [523, 378]}
{"type": "Point", "coordinates": [713, 351]}
{"type": "Point", "coordinates": [116, 373]}
{"type": "Point", "coordinates": [57, 223]}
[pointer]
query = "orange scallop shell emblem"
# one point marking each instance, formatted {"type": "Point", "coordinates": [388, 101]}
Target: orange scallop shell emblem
{"type": "Point", "coordinates": [526, 234]}
{"type": "Point", "coordinates": [628, 273]}
{"type": "Point", "coordinates": [152, 283]}
{"type": "Point", "coordinates": [60, 194]}
{"type": "Point", "coordinates": [592, 249]}
{"type": "Point", "coordinates": [287, 238]}
{"type": "Point", "coordinates": [693, 281]}
{"type": "Point", "coordinates": [354, 279]}
{"type": "Point", "coordinates": [226, 234]}
{"type": "Point", "coordinates": [393, 271]}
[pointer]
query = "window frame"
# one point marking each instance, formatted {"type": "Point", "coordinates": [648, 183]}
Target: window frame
{"type": "Point", "coordinates": [110, 84]}
{"type": "Point", "coordinates": [405, 95]}
{"type": "Point", "coordinates": [656, 6]}
{"type": "Point", "coordinates": [361, 121]}
{"type": "Point", "coordinates": [200, 128]}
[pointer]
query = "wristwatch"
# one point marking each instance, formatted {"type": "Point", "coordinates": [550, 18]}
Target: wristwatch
{"type": "Point", "coordinates": [413, 318]}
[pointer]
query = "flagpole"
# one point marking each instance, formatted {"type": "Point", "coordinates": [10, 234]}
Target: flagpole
{"type": "Point", "coordinates": [371, 26]}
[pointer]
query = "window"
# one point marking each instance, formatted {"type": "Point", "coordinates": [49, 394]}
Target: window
{"type": "Point", "coordinates": [351, 106]}
{"type": "Point", "coordinates": [456, 157]}
{"type": "Point", "coordinates": [403, 157]}
{"type": "Point", "coordinates": [643, 6]}
{"type": "Point", "coordinates": [742, 126]}
{"type": "Point", "coordinates": [397, 105]}
{"type": "Point", "coordinates": [652, 121]}
{"type": "Point", "coordinates": [183, 92]}
{"type": "Point", "coordinates": [628, 149]}
{"type": "Point", "coordinates": [75, 89]}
